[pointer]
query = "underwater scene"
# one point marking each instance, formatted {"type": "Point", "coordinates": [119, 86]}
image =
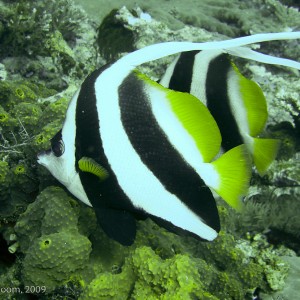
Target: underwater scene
{"type": "Point", "coordinates": [150, 150]}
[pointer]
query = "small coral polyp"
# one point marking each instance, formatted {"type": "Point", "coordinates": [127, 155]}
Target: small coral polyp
{"type": "Point", "coordinates": [45, 244]}
{"type": "Point", "coordinates": [20, 169]}
{"type": "Point", "coordinates": [3, 117]}
{"type": "Point", "coordinates": [20, 93]}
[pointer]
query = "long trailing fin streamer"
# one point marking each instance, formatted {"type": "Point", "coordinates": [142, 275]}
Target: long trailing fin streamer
{"type": "Point", "coordinates": [232, 46]}
{"type": "Point", "coordinates": [264, 58]}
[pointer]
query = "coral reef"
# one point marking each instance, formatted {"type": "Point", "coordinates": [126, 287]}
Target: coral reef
{"type": "Point", "coordinates": [47, 42]}
{"type": "Point", "coordinates": [273, 204]}
{"type": "Point", "coordinates": [56, 245]}
{"type": "Point", "coordinates": [57, 249]}
{"type": "Point", "coordinates": [215, 16]}
{"type": "Point", "coordinates": [26, 126]}
{"type": "Point", "coordinates": [292, 283]}
{"type": "Point", "coordinates": [50, 239]}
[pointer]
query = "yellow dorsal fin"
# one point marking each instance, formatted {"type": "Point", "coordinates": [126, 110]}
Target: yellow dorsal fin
{"type": "Point", "coordinates": [194, 117]}
{"type": "Point", "coordinates": [89, 165]}
{"type": "Point", "coordinates": [198, 122]}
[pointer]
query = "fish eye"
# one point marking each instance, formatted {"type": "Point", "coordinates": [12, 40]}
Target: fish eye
{"type": "Point", "coordinates": [57, 145]}
{"type": "Point", "coordinates": [58, 148]}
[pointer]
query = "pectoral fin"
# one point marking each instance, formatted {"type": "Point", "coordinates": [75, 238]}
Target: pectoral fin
{"type": "Point", "coordinates": [89, 165]}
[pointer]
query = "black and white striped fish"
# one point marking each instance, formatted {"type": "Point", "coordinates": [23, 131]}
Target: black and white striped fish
{"type": "Point", "coordinates": [131, 148]}
{"type": "Point", "coordinates": [237, 103]}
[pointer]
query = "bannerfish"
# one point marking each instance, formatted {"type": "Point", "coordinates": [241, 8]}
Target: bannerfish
{"type": "Point", "coordinates": [132, 148]}
{"type": "Point", "coordinates": [237, 104]}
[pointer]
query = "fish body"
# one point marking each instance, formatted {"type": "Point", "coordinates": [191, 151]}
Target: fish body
{"type": "Point", "coordinates": [132, 148]}
{"type": "Point", "coordinates": [142, 153]}
{"type": "Point", "coordinates": [237, 103]}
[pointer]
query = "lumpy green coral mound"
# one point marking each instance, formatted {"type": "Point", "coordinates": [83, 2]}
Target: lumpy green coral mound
{"type": "Point", "coordinates": [147, 276]}
{"type": "Point", "coordinates": [52, 212]}
{"type": "Point", "coordinates": [53, 259]}
{"type": "Point", "coordinates": [28, 114]}
{"type": "Point", "coordinates": [13, 93]}
{"type": "Point", "coordinates": [174, 278]}
{"type": "Point", "coordinates": [47, 233]}
{"type": "Point", "coordinates": [57, 249]}
{"type": "Point", "coordinates": [108, 286]}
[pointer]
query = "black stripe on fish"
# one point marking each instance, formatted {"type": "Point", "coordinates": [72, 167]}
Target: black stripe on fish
{"type": "Point", "coordinates": [218, 101]}
{"type": "Point", "coordinates": [157, 153]}
{"type": "Point", "coordinates": [181, 78]}
{"type": "Point", "coordinates": [111, 204]}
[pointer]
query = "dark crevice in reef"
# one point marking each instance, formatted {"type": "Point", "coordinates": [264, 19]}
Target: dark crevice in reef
{"type": "Point", "coordinates": [6, 258]}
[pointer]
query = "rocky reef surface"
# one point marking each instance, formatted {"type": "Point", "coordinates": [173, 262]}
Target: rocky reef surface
{"type": "Point", "coordinates": [51, 245]}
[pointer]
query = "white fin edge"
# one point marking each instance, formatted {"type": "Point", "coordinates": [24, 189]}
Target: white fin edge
{"type": "Point", "coordinates": [156, 51]}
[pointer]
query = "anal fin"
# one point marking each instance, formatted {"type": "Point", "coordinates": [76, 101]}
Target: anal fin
{"type": "Point", "coordinates": [119, 225]}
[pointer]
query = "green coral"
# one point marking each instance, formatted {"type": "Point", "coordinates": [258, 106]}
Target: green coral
{"type": "Point", "coordinates": [53, 259]}
{"type": "Point", "coordinates": [4, 117]}
{"type": "Point", "coordinates": [110, 286]}
{"type": "Point", "coordinates": [174, 278]}
{"type": "Point", "coordinates": [50, 122]}
{"type": "Point", "coordinates": [54, 111]}
{"type": "Point", "coordinates": [19, 110]}
{"type": "Point", "coordinates": [146, 275]}
{"type": "Point", "coordinates": [239, 273]}
{"type": "Point", "coordinates": [15, 92]}
{"type": "Point", "coordinates": [22, 178]}
{"type": "Point", "coordinates": [57, 246]}
{"type": "Point", "coordinates": [51, 213]}
{"type": "Point", "coordinates": [29, 24]}
{"type": "Point", "coordinates": [46, 41]}
{"type": "Point", "coordinates": [173, 266]}
{"type": "Point", "coordinates": [218, 270]}
{"type": "Point", "coordinates": [28, 114]}
{"type": "Point", "coordinates": [21, 117]}
{"type": "Point", "coordinates": [47, 233]}
{"type": "Point", "coordinates": [15, 189]}
{"type": "Point", "coordinates": [20, 169]}
{"type": "Point", "coordinates": [42, 140]}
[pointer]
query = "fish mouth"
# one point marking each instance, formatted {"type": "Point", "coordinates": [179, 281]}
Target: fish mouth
{"type": "Point", "coordinates": [42, 155]}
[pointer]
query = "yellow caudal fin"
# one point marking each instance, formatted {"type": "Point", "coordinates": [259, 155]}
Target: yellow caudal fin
{"type": "Point", "coordinates": [234, 172]}
{"type": "Point", "coordinates": [264, 152]}
{"type": "Point", "coordinates": [254, 103]}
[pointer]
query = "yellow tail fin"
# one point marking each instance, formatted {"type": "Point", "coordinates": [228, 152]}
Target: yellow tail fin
{"type": "Point", "coordinates": [264, 152]}
{"type": "Point", "coordinates": [234, 169]}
